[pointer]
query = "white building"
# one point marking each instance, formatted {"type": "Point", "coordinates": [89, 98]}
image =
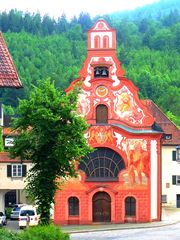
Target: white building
{"type": "Point", "coordinates": [170, 157]}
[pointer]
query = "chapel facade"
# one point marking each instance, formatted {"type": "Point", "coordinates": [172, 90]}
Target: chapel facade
{"type": "Point", "coordinates": [120, 181]}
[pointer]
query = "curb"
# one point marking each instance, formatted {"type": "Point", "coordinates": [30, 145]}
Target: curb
{"type": "Point", "coordinates": [120, 228]}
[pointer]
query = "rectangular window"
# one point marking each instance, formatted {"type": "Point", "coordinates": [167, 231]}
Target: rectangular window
{"type": "Point", "coordinates": [174, 155]}
{"type": "Point", "coordinates": [178, 180]}
{"type": "Point", "coordinates": [17, 170]}
{"type": "Point", "coordinates": [163, 198]}
{"type": "Point", "coordinates": [178, 154]}
{"type": "Point", "coordinates": [73, 206]}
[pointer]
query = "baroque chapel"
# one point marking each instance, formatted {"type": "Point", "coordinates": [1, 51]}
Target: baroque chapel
{"type": "Point", "coordinates": [119, 181]}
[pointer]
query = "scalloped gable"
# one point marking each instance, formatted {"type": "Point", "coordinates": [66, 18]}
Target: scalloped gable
{"type": "Point", "coordinates": [121, 98]}
{"type": "Point", "coordinates": [100, 25]}
{"type": "Point", "coordinates": [8, 75]}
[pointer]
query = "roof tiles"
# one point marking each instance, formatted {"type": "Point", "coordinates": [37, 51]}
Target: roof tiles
{"type": "Point", "coordinates": [8, 74]}
{"type": "Point", "coordinates": [164, 122]}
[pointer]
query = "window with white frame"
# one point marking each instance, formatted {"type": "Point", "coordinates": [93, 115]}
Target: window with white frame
{"type": "Point", "coordinates": [17, 170]}
{"type": "Point", "coordinates": [178, 153]}
{"type": "Point", "coordinates": [178, 180]}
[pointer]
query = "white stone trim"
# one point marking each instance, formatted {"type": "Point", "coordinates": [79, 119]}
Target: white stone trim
{"type": "Point", "coordinates": [154, 176]}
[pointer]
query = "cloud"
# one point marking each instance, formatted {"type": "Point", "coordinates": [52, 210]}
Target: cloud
{"type": "Point", "coordinates": [56, 8]}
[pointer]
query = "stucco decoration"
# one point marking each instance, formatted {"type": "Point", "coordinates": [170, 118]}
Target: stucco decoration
{"type": "Point", "coordinates": [101, 91]}
{"type": "Point", "coordinates": [126, 107]}
{"type": "Point", "coordinates": [101, 135]}
{"type": "Point", "coordinates": [95, 61]}
{"type": "Point", "coordinates": [100, 25]}
{"type": "Point", "coordinates": [84, 103]}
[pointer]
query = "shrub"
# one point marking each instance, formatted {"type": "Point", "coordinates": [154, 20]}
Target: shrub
{"type": "Point", "coordinates": [8, 212]}
{"type": "Point", "coordinates": [8, 235]}
{"type": "Point", "coordinates": [46, 232]}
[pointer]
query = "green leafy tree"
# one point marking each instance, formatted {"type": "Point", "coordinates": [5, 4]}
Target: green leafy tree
{"type": "Point", "coordinates": [1, 140]}
{"type": "Point", "coordinates": [51, 134]}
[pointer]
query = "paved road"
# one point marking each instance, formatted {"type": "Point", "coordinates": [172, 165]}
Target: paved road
{"type": "Point", "coordinates": [171, 232]}
{"type": "Point", "coordinates": [12, 224]}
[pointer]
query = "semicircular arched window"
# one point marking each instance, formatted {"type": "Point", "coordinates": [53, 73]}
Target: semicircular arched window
{"type": "Point", "coordinates": [103, 164]}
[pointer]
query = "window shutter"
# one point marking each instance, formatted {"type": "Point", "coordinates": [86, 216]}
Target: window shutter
{"type": "Point", "coordinates": [174, 179]}
{"type": "Point", "coordinates": [9, 172]}
{"type": "Point", "coordinates": [24, 170]}
{"type": "Point", "coordinates": [174, 155]}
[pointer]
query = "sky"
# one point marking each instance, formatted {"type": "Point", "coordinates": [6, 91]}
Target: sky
{"type": "Point", "coordinates": [55, 8]}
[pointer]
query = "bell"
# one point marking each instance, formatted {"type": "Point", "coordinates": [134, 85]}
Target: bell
{"type": "Point", "coordinates": [97, 72]}
{"type": "Point", "coordinates": [104, 73]}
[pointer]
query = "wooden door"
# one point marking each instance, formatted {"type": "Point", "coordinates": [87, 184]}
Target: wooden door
{"type": "Point", "coordinates": [101, 207]}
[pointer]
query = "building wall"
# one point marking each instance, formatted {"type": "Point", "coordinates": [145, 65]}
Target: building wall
{"type": "Point", "coordinates": [11, 183]}
{"type": "Point", "coordinates": [86, 203]}
{"type": "Point", "coordinates": [169, 168]}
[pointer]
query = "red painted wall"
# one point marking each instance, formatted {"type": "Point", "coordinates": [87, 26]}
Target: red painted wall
{"type": "Point", "coordinates": [128, 132]}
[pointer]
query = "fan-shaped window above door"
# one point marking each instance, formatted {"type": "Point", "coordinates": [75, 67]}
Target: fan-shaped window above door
{"type": "Point", "coordinates": [103, 164]}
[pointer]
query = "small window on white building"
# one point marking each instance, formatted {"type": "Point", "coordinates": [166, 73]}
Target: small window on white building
{"type": "Point", "coordinates": [176, 154]}
{"type": "Point", "coordinates": [16, 170]}
{"type": "Point", "coordinates": [176, 179]}
{"type": "Point", "coordinates": [163, 198]}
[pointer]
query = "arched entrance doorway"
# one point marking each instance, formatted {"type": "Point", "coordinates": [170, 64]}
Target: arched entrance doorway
{"type": "Point", "coordinates": [101, 207]}
{"type": "Point", "coordinates": [10, 198]}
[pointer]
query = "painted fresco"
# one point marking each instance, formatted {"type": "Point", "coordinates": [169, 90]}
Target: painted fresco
{"type": "Point", "coordinates": [137, 159]}
{"type": "Point", "coordinates": [100, 135]}
{"type": "Point", "coordinates": [126, 107]}
{"type": "Point", "coordinates": [135, 150]}
{"type": "Point", "coordinates": [127, 132]}
{"type": "Point", "coordinates": [84, 103]}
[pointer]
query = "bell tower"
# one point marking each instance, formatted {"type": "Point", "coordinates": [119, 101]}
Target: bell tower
{"type": "Point", "coordinates": [101, 61]}
{"type": "Point", "coordinates": [101, 37]}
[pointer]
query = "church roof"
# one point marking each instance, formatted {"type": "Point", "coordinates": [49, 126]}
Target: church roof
{"type": "Point", "coordinates": [8, 74]}
{"type": "Point", "coordinates": [171, 132]}
{"type": "Point", "coordinates": [137, 131]}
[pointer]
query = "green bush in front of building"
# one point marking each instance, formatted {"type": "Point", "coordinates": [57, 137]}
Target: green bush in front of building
{"type": "Point", "coordinates": [49, 232]}
{"type": "Point", "coordinates": [46, 232]}
{"type": "Point", "coordinates": [8, 212]}
{"type": "Point", "coordinates": [8, 235]}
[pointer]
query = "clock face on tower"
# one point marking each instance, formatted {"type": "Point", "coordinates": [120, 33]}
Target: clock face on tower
{"type": "Point", "coordinates": [101, 91]}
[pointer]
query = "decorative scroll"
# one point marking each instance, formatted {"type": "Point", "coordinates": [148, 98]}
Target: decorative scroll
{"type": "Point", "coordinates": [126, 107]}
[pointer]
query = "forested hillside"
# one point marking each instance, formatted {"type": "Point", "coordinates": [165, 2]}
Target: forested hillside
{"type": "Point", "coordinates": [149, 49]}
